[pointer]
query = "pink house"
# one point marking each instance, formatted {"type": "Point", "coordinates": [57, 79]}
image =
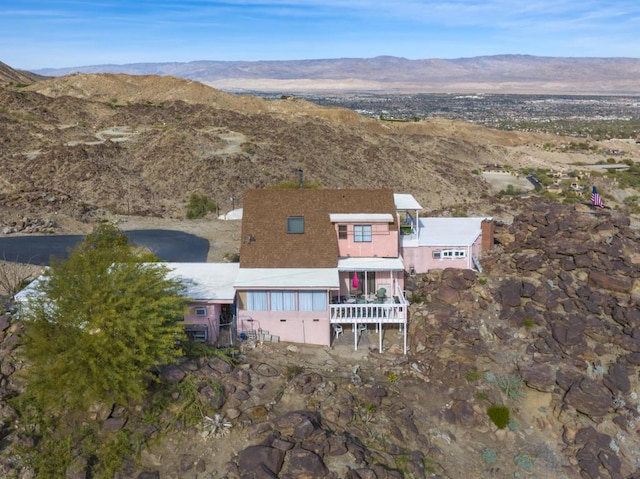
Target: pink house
{"type": "Point", "coordinates": [313, 261]}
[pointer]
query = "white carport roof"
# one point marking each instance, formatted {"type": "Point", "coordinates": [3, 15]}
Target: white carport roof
{"type": "Point", "coordinates": [405, 201]}
{"type": "Point", "coordinates": [251, 278]}
{"type": "Point", "coordinates": [371, 264]}
{"type": "Point", "coordinates": [206, 281]}
{"type": "Point", "coordinates": [30, 291]}
{"type": "Point", "coordinates": [449, 231]}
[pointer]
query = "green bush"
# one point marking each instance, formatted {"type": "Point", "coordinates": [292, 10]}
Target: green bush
{"type": "Point", "coordinates": [473, 375]}
{"type": "Point", "coordinates": [499, 415]}
{"type": "Point", "coordinates": [199, 206]}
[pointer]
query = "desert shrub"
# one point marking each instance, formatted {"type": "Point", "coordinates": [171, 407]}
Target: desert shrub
{"type": "Point", "coordinates": [490, 377]}
{"type": "Point", "coordinates": [511, 191]}
{"type": "Point", "coordinates": [481, 396]}
{"type": "Point", "coordinates": [489, 456]}
{"type": "Point", "coordinates": [232, 257]}
{"type": "Point", "coordinates": [524, 461]}
{"type": "Point", "coordinates": [473, 375]}
{"type": "Point", "coordinates": [511, 386]}
{"type": "Point", "coordinates": [199, 206]}
{"type": "Point", "coordinates": [248, 148]}
{"type": "Point", "coordinates": [529, 323]}
{"type": "Point", "coordinates": [499, 415]}
{"type": "Point", "coordinates": [293, 370]}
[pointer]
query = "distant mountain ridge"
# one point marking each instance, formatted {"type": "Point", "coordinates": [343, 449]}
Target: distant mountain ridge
{"type": "Point", "coordinates": [499, 73]}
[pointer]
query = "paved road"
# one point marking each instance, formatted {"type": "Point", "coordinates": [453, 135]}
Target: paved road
{"type": "Point", "coordinates": [168, 245]}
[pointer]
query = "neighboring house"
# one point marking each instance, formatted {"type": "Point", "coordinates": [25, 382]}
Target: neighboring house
{"type": "Point", "coordinates": [313, 260]}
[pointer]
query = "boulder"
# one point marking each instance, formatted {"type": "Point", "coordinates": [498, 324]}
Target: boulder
{"type": "Point", "coordinates": [602, 280]}
{"type": "Point", "coordinates": [303, 464]}
{"type": "Point", "coordinates": [172, 374]}
{"type": "Point", "coordinates": [538, 376]}
{"type": "Point", "coordinates": [259, 458]}
{"type": "Point", "coordinates": [589, 397]}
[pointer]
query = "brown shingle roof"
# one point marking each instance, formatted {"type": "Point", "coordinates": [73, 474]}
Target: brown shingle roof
{"type": "Point", "coordinates": [266, 243]}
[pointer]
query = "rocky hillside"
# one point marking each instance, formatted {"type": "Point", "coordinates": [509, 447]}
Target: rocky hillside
{"type": "Point", "coordinates": [83, 147]}
{"type": "Point", "coordinates": [547, 330]}
{"type": "Point", "coordinates": [142, 145]}
{"type": "Point", "coordinates": [17, 77]}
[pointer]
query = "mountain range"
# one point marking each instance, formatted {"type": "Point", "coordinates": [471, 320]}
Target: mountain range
{"type": "Point", "coordinates": [487, 74]}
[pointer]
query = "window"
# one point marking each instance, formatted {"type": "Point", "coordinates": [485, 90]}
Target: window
{"type": "Point", "coordinates": [295, 224]}
{"type": "Point", "coordinates": [312, 300]}
{"type": "Point", "coordinates": [257, 300]}
{"type": "Point", "coordinates": [362, 233]}
{"type": "Point", "coordinates": [342, 231]}
{"type": "Point", "coordinates": [283, 301]}
{"type": "Point", "coordinates": [450, 254]}
{"type": "Point", "coordinates": [436, 254]}
{"type": "Point", "coordinates": [200, 311]}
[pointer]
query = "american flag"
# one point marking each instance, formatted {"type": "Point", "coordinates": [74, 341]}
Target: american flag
{"type": "Point", "coordinates": [596, 199]}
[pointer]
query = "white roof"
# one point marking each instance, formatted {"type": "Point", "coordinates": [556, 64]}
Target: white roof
{"type": "Point", "coordinates": [449, 231]}
{"type": "Point", "coordinates": [370, 264]}
{"type": "Point", "coordinates": [206, 281]}
{"type": "Point", "coordinates": [232, 215]}
{"type": "Point", "coordinates": [30, 290]}
{"type": "Point", "coordinates": [287, 278]}
{"type": "Point", "coordinates": [405, 201]}
{"type": "Point", "coordinates": [353, 217]}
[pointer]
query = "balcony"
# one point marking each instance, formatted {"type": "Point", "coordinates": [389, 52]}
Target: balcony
{"type": "Point", "coordinates": [389, 310]}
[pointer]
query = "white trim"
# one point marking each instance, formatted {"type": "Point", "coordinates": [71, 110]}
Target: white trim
{"type": "Point", "coordinates": [371, 264]}
{"type": "Point", "coordinates": [279, 278]}
{"type": "Point", "coordinates": [361, 217]}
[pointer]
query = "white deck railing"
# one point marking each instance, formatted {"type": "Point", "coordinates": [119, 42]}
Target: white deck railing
{"type": "Point", "coordinates": [393, 310]}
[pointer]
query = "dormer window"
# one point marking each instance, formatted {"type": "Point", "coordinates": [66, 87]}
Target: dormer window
{"type": "Point", "coordinates": [295, 224]}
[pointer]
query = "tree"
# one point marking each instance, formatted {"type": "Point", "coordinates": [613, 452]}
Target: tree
{"type": "Point", "coordinates": [101, 320]}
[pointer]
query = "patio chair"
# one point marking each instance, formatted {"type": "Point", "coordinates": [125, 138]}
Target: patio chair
{"type": "Point", "coordinates": [337, 330]}
{"type": "Point", "coordinates": [381, 295]}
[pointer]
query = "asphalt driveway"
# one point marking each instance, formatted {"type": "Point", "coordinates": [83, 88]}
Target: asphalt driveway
{"type": "Point", "coordinates": [168, 245]}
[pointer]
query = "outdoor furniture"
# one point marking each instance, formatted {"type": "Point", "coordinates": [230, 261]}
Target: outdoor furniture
{"type": "Point", "coordinates": [337, 330]}
{"type": "Point", "coordinates": [361, 328]}
{"type": "Point", "coordinates": [381, 294]}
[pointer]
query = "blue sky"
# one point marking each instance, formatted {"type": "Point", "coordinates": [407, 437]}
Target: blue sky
{"type": "Point", "coordinates": [53, 34]}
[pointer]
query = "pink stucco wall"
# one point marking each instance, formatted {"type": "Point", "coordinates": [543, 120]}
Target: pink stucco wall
{"type": "Point", "coordinates": [383, 244]}
{"type": "Point", "coordinates": [210, 320]}
{"type": "Point", "coordinates": [422, 260]}
{"type": "Point", "coordinates": [306, 327]}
